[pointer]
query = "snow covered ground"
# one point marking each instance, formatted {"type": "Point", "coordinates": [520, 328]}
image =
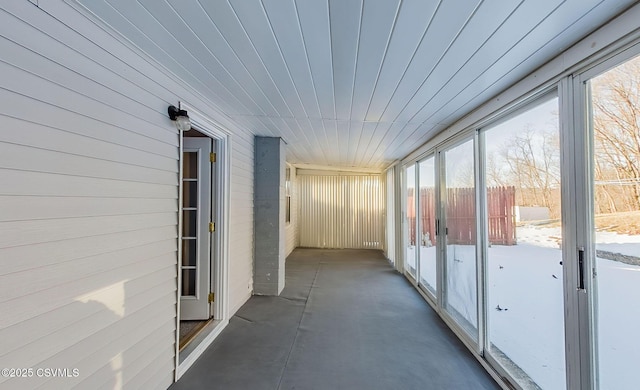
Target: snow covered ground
{"type": "Point", "coordinates": [525, 301]}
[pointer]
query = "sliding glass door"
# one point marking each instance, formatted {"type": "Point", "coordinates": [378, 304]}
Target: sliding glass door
{"type": "Point", "coordinates": [613, 226]}
{"type": "Point", "coordinates": [527, 232]}
{"type": "Point", "coordinates": [458, 202]}
{"type": "Point", "coordinates": [410, 251]}
{"type": "Point", "coordinates": [427, 225]}
{"type": "Point", "coordinates": [523, 264]}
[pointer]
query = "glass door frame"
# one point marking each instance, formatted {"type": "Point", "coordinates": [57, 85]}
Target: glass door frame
{"type": "Point", "coordinates": [435, 300]}
{"type": "Point", "coordinates": [568, 209]}
{"type": "Point", "coordinates": [586, 375]}
{"type": "Point", "coordinates": [440, 163]}
{"type": "Point", "coordinates": [405, 222]}
{"type": "Point", "coordinates": [578, 240]}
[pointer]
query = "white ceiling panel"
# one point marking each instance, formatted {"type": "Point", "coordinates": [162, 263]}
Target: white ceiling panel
{"type": "Point", "coordinates": [482, 25]}
{"type": "Point", "coordinates": [352, 83]}
{"type": "Point", "coordinates": [283, 21]}
{"type": "Point", "coordinates": [448, 22]}
{"type": "Point", "coordinates": [252, 16]}
{"type": "Point", "coordinates": [223, 21]}
{"type": "Point", "coordinates": [411, 25]}
{"type": "Point", "coordinates": [375, 33]}
{"type": "Point", "coordinates": [345, 18]}
{"type": "Point", "coordinates": [313, 17]}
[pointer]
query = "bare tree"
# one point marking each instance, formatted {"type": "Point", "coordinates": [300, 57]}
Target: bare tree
{"type": "Point", "coordinates": [496, 175]}
{"type": "Point", "coordinates": [533, 162]}
{"type": "Point", "coordinates": [616, 126]}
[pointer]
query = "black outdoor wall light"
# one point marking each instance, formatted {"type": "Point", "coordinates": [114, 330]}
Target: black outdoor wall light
{"type": "Point", "coordinates": [181, 117]}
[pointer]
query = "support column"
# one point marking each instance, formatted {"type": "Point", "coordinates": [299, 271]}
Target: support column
{"type": "Point", "coordinates": [269, 216]}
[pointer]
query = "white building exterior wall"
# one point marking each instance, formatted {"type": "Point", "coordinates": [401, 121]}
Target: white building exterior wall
{"type": "Point", "coordinates": [89, 201]}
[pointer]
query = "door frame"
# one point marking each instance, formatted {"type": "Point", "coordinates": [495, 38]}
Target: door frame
{"type": "Point", "coordinates": [221, 174]}
{"type": "Point", "coordinates": [405, 224]}
{"type": "Point", "coordinates": [586, 374]}
{"type": "Point", "coordinates": [432, 297]}
{"type": "Point", "coordinates": [194, 307]}
{"type": "Point", "coordinates": [464, 136]}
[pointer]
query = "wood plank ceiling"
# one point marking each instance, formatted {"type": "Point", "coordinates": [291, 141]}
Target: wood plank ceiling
{"type": "Point", "coordinates": [352, 83]}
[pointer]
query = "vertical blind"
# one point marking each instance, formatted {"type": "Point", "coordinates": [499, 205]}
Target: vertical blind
{"type": "Point", "coordinates": [341, 211]}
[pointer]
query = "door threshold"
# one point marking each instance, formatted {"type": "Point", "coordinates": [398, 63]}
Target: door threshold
{"type": "Point", "coordinates": [189, 330]}
{"type": "Point", "coordinates": [198, 344]}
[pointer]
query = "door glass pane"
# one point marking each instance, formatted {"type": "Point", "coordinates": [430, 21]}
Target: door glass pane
{"type": "Point", "coordinates": [615, 106]}
{"type": "Point", "coordinates": [524, 259]}
{"type": "Point", "coordinates": [190, 193]}
{"type": "Point", "coordinates": [427, 237]}
{"type": "Point", "coordinates": [189, 223]}
{"type": "Point", "coordinates": [188, 282]}
{"type": "Point", "coordinates": [189, 251]}
{"type": "Point", "coordinates": [190, 165]}
{"type": "Point", "coordinates": [460, 216]}
{"type": "Point", "coordinates": [410, 222]}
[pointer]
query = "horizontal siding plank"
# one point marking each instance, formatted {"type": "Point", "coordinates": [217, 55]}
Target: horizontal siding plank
{"type": "Point", "coordinates": [39, 254]}
{"type": "Point", "coordinates": [233, 76]}
{"type": "Point", "coordinates": [37, 88]}
{"type": "Point", "coordinates": [14, 182]}
{"type": "Point", "coordinates": [32, 281]}
{"type": "Point", "coordinates": [165, 51]}
{"type": "Point", "coordinates": [44, 58]}
{"type": "Point", "coordinates": [23, 308]}
{"type": "Point", "coordinates": [70, 79]}
{"type": "Point", "coordinates": [53, 330]}
{"type": "Point", "coordinates": [149, 368]}
{"type": "Point", "coordinates": [150, 375]}
{"type": "Point", "coordinates": [124, 359]}
{"type": "Point", "coordinates": [110, 340]}
{"type": "Point", "coordinates": [24, 208]}
{"type": "Point", "coordinates": [31, 232]}
{"type": "Point", "coordinates": [62, 45]}
{"type": "Point", "coordinates": [90, 318]}
{"type": "Point", "coordinates": [41, 160]}
{"type": "Point", "coordinates": [21, 106]}
{"type": "Point", "coordinates": [107, 375]}
{"type": "Point", "coordinates": [162, 379]}
{"type": "Point", "coordinates": [62, 140]}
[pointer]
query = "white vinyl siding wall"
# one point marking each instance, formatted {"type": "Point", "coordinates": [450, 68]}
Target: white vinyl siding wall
{"type": "Point", "coordinates": [88, 203]}
{"type": "Point", "coordinates": [341, 211]}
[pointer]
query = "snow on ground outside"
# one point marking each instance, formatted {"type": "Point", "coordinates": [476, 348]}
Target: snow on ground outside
{"type": "Point", "coordinates": [530, 327]}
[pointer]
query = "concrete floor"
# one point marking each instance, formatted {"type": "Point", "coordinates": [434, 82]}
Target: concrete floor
{"type": "Point", "coordinates": [345, 320]}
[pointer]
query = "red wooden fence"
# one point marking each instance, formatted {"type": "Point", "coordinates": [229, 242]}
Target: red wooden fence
{"type": "Point", "coordinates": [461, 216]}
{"type": "Point", "coordinates": [501, 202]}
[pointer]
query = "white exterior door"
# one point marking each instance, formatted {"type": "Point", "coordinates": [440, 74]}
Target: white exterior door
{"type": "Point", "coordinates": [195, 265]}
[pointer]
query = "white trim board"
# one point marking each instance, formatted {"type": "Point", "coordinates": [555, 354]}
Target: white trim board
{"type": "Point", "coordinates": [210, 128]}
